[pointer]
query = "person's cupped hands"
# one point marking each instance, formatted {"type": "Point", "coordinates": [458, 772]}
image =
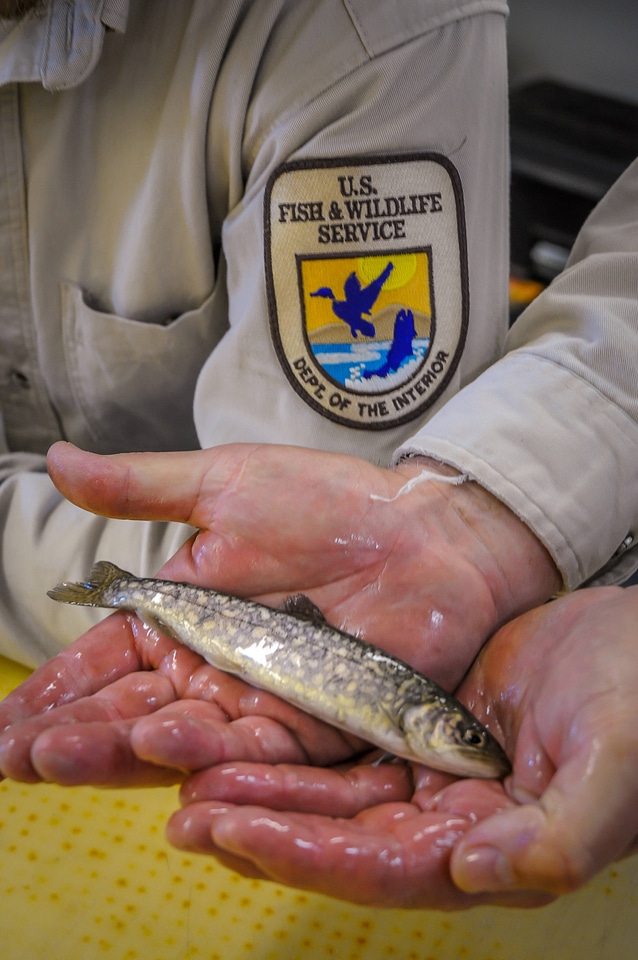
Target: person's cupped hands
{"type": "Point", "coordinates": [428, 576]}
{"type": "Point", "coordinates": [560, 683]}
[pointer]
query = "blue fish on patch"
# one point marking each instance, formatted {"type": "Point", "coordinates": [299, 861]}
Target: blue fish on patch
{"type": "Point", "coordinates": [401, 348]}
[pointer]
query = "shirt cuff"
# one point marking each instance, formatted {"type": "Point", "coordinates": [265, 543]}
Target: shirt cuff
{"type": "Point", "coordinates": [556, 451]}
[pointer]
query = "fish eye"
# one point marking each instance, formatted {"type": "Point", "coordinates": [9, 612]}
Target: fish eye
{"type": "Point", "coordinates": [473, 738]}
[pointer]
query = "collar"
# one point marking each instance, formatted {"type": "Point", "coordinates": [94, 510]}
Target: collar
{"type": "Point", "coordinates": [60, 48]}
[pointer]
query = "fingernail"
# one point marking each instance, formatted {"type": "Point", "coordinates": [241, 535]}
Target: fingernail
{"type": "Point", "coordinates": [484, 869]}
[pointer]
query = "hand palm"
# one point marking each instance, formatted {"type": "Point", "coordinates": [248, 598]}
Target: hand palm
{"type": "Point", "coordinates": [271, 521]}
{"type": "Point", "coordinates": [561, 699]}
{"type": "Point", "coordinates": [277, 521]}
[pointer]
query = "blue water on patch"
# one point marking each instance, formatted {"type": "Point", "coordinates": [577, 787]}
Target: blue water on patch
{"type": "Point", "coordinates": [347, 362]}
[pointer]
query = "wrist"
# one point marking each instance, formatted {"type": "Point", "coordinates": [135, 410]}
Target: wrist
{"type": "Point", "coordinates": [518, 569]}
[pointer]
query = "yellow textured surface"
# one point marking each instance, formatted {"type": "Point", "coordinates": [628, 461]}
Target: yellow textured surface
{"type": "Point", "coordinates": [88, 874]}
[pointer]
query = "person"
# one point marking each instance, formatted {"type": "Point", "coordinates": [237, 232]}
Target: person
{"type": "Point", "coordinates": [171, 170]}
{"type": "Point", "coordinates": [273, 792]}
{"type": "Point", "coordinates": [176, 310]}
{"type": "Point", "coordinates": [217, 169]}
{"type": "Point", "coordinates": [270, 521]}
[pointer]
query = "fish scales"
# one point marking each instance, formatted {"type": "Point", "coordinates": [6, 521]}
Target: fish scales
{"type": "Point", "coordinates": [304, 662]}
{"type": "Point", "coordinates": [297, 655]}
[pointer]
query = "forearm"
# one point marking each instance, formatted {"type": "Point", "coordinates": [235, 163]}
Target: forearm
{"type": "Point", "coordinates": [552, 428]}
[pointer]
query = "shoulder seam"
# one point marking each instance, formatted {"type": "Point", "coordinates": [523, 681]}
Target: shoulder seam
{"type": "Point", "coordinates": [459, 11]}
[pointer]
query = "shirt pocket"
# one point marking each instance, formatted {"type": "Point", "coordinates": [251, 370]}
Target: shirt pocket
{"type": "Point", "coordinates": [132, 383]}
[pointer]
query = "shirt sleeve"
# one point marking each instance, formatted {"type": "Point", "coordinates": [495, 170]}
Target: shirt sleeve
{"type": "Point", "coordinates": [392, 92]}
{"type": "Point", "coordinates": [371, 79]}
{"type": "Point", "coordinates": [551, 429]}
{"type": "Point", "coordinates": [45, 539]}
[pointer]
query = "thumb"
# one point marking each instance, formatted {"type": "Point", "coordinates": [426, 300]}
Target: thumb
{"type": "Point", "coordinates": [586, 818]}
{"type": "Point", "coordinates": [139, 486]}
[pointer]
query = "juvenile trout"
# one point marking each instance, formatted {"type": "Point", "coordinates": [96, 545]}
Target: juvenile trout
{"type": "Point", "coordinates": [293, 652]}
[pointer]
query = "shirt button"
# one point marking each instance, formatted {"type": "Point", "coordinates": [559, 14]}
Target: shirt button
{"type": "Point", "coordinates": [625, 545]}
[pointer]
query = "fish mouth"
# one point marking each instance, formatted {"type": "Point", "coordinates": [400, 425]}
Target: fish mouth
{"type": "Point", "coordinates": [493, 765]}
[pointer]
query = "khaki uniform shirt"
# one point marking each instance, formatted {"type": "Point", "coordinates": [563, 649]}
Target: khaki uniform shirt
{"type": "Point", "coordinates": [283, 222]}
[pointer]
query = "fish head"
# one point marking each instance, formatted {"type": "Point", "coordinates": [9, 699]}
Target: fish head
{"type": "Point", "coordinates": [446, 736]}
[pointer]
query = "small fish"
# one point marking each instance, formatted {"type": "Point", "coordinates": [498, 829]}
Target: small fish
{"type": "Point", "coordinates": [401, 348]}
{"type": "Point", "coordinates": [293, 652]}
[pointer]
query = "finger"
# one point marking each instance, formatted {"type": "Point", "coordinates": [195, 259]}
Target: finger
{"type": "Point", "coordinates": [24, 742]}
{"type": "Point", "coordinates": [183, 485]}
{"type": "Point", "coordinates": [192, 742]}
{"type": "Point", "coordinates": [95, 754]}
{"type": "Point", "coordinates": [143, 486]}
{"type": "Point", "coordinates": [102, 655]}
{"type": "Point", "coordinates": [333, 792]}
{"type": "Point", "coordinates": [193, 833]}
{"type": "Point", "coordinates": [473, 799]}
{"type": "Point", "coordinates": [585, 819]}
{"type": "Point", "coordinates": [265, 729]}
{"type": "Point", "coordinates": [118, 647]}
{"type": "Point", "coordinates": [342, 858]}
{"type": "Point", "coordinates": [239, 497]}
{"type": "Point", "coordinates": [366, 860]}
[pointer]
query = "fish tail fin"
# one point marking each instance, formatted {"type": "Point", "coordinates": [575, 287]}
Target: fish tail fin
{"type": "Point", "coordinates": [91, 592]}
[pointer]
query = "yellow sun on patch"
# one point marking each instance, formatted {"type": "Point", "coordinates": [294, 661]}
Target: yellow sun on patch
{"type": "Point", "coordinates": [405, 265]}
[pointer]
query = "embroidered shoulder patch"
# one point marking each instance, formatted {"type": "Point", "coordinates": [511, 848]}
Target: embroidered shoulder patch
{"type": "Point", "coordinates": [366, 268]}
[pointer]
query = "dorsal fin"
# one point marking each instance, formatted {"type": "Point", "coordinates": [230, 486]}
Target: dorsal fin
{"type": "Point", "coordinates": [300, 606]}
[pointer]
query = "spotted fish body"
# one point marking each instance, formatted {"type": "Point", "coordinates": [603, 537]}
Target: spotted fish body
{"type": "Point", "coordinates": [294, 653]}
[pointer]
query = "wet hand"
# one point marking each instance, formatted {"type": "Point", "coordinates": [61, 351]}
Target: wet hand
{"type": "Point", "coordinates": [377, 836]}
{"type": "Point", "coordinates": [73, 721]}
{"type": "Point", "coordinates": [428, 576]}
{"type": "Point", "coordinates": [564, 681]}
{"type": "Point", "coordinates": [559, 686]}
